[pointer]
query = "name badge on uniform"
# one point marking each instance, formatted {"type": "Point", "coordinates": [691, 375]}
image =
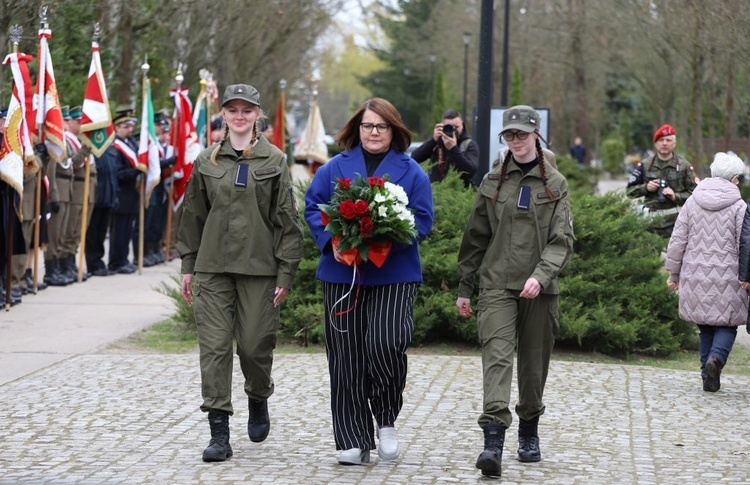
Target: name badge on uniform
{"type": "Point", "coordinates": [524, 197]}
{"type": "Point", "coordinates": [240, 180]}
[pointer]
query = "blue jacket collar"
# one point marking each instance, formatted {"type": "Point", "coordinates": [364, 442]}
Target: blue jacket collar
{"type": "Point", "coordinates": [395, 164]}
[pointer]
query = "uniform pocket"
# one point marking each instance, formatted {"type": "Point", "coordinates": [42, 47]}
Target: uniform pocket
{"type": "Point", "coordinates": [265, 180]}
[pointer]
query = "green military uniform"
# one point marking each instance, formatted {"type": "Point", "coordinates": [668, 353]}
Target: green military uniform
{"type": "Point", "coordinates": [71, 237]}
{"type": "Point", "coordinates": [241, 237]}
{"type": "Point", "coordinates": [507, 244]}
{"type": "Point", "coordinates": [679, 176]}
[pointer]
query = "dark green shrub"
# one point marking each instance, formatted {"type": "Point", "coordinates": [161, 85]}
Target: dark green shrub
{"type": "Point", "coordinates": [613, 293]}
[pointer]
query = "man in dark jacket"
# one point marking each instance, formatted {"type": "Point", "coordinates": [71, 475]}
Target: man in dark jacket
{"type": "Point", "coordinates": [450, 147]}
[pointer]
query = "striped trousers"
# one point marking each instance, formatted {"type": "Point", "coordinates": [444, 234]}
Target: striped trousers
{"type": "Point", "coordinates": [367, 334]}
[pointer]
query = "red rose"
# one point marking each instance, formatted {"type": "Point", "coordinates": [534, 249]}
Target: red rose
{"type": "Point", "coordinates": [324, 218]}
{"type": "Point", "coordinates": [345, 183]}
{"type": "Point", "coordinates": [365, 226]}
{"type": "Point", "coordinates": [376, 181]}
{"type": "Point", "coordinates": [346, 209]}
{"type": "Point", "coordinates": [361, 208]}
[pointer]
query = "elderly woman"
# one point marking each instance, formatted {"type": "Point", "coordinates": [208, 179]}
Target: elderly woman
{"type": "Point", "coordinates": [703, 262]}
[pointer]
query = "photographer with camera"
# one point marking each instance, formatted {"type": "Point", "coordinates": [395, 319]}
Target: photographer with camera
{"type": "Point", "coordinates": [665, 182]}
{"type": "Point", "coordinates": [449, 147]}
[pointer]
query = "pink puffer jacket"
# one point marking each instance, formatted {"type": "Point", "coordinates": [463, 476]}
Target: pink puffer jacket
{"type": "Point", "coordinates": [703, 255]}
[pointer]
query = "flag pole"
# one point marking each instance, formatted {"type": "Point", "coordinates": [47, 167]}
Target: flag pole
{"type": "Point", "coordinates": [178, 81]}
{"type": "Point", "coordinates": [142, 186]}
{"type": "Point", "coordinates": [86, 184]}
{"type": "Point", "coordinates": [15, 31]}
{"type": "Point", "coordinates": [41, 96]}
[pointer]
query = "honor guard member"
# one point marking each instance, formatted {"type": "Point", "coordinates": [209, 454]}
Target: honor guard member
{"type": "Point", "coordinates": [78, 154]}
{"type": "Point", "coordinates": [126, 209]}
{"type": "Point", "coordinates": [156, 212]}
{"type": "Point", "coordinates": [241, 242]}
{"type": "Point", "coordinates": [518, 239]}
{"type": "Point", "coordinates": [665, 182]}
{"type": "Point", "coordinates": [60, 194]}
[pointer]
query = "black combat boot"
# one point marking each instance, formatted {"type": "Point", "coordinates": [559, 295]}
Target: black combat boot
{"type": "Point", "coordinates": [148, 254]}
{"type": "Point", "coordinates": [158, 253]}
{"type": "Point", "coordinates": [68, 268]}
{"type": "Point", "coordinates": [52, 275]}
{"type": "Point", "coordinates": [28, 278]}
{"type": "Point", "coordinates": [528, 441]}
{"type": "Point", "coordinates": [491, 458]}
{"type": "Point", "coordinates": [258, 423]}
{"type": "Point", "coordinates": [218, 448]}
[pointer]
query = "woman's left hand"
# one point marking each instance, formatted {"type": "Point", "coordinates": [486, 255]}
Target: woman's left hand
{"type": "Point", "coordinates": [673, 285]}
{"type": "Point", "coordinates": [280, 295]}
{"type": "Point", "coordinates": [531, 289]}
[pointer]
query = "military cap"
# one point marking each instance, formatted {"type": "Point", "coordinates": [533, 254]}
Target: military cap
{"type": "Point", "coordinates": [664, 130]}
{"type": "Point", "coordinates": [76, 112]}
{"type": "Point", "coordinates": [244, 92]}
{"type": "Point", "coordinates": [3, 113]}
{"type": "Point", "coordinates": [65, 112]}
{"type": "Point", "coordinates": [521, 117]}
{"type": "Point", "coordinates": [124, 114]}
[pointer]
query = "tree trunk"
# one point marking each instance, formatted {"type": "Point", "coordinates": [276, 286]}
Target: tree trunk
{"type": "Point", "coordinates": [729, 104]}
{"type": "Point", "coordinates": [577, 22]}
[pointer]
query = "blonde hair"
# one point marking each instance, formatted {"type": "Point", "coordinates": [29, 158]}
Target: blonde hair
{"type": "Point", "coordinates": [249, 148]}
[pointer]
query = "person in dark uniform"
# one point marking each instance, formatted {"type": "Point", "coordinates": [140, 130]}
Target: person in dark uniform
{"type": "Point", "coordinates": [156, 212]}
{"type": "Point", "coordinates": [126, 210]}
{"type": "Point", "coordinates": [240, 241]}
{"type": "Point", "coordinates": [101, 214]}
{"type": "Point", "coordinates": [518, 238]}
{"type": "Point", "coordinates": [450, 148]}
{"type": "Point", "coordinates": [665, 182]}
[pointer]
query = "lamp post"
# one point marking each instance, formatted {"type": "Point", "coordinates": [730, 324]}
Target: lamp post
{"type": "Point", "coordinates": [432, 58]}
{"type": "Point", "coordinates": [467, 41]}
{"type": "Point", "coordinates": [506, 40]}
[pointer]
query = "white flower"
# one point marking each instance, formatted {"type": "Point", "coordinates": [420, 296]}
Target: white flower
{"type": "Point", "coordinates": [382, 211]}
{"type": "Point", "coordinates": [404, 214]}
{"type": "Point", "coordinates": [398, 192]}
{"type": "Point", "coordinates": [379, 198]}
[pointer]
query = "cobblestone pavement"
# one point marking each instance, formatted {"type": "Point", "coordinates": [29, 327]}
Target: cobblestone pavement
{"type": "Point", "coordinates": [111, 418]}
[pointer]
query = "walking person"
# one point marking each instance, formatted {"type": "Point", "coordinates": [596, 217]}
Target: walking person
{"type": "Point", "coordinates": [703, 260]}
{"type": "Point", "coordinates": [241, 242]}
{"type": "Point", "coordinates": [366, 344]}
{"type": "Point", "coordinates": [518, 239]}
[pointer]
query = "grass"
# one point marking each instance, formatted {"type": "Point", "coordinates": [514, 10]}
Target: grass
{"type": "Point", "coordinates": [173, 337]}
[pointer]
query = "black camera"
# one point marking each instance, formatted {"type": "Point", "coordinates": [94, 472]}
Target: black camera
{"type": "Point", "coordinates": [660, 193]}
{"type": "Point", "coordinates": [448, 129]}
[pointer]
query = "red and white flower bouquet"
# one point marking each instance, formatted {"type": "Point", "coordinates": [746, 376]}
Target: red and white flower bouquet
{"type": "Point", "coordinates": [366, 217]}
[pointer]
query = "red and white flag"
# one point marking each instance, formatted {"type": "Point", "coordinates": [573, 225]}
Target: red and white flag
{"type": "Point", "coordinates": [186, 144]}
{"type": "Point", "coordinates": [96, 120]}
{"type": "Point", "coordinates": [49, 121]}
{"type": "Point", "coordinates": [149, 148]}
{"type": "Point", "coordinates": [17, 149]}
{"type": "Point", "coordinates": [129, 154]}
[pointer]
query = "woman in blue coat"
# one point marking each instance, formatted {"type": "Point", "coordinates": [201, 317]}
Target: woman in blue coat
{"type": "Point", "coordinates": [369, 328]}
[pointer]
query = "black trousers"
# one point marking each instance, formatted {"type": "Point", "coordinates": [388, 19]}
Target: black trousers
{"type": "Point", "coordinates": [367, 334]}
{"type": "Point", "coordinates": [95, 237]}
{"type": "Point", "coordinates": [119, 239]}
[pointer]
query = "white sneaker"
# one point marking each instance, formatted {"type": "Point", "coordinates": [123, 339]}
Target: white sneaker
{"type": "Point", "coordinates": [388, 448]}
{"type": "Point", "coordinates": [354, 456]}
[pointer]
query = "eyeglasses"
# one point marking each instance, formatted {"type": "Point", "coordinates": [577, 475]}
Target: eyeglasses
{"type": "Point", "coordinates": [368, 127]}
{"type": "Point", "coordinates": [510, 135]}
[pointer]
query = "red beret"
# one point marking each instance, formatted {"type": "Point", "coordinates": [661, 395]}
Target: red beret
{"type": "Point", "coordinates": [664, 130]}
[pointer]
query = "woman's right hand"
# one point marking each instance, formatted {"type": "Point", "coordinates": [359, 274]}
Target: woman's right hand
{"type": "Point", "coordinates": [464, 307]}
{"type": "Point", "coordinates": [187, 288]}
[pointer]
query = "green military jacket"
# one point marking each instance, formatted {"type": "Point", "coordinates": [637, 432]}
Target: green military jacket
{"type": "Point", "coordinates": [678, 173]}
{"type": "Point", "coordinates": [230, 228]}
{"type": "Point", "coordinates": [506, 244]}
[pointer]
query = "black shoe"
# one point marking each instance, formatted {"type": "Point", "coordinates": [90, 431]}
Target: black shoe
{"type": "Point", "coordinates": [101, 272]}
{"type": "Point", "coordinates": [528, 441]}
{"type": "Point", "coordinates": [258, 423]}
{"type": "Point", "coordinates": [712, 381]}
{"type": "Point", "coordinates": [126, 269]}
{"type": "Point", "coordinates": [218, 448]}
{"type": "Point", "coordinates": [52, 275]}
{"type": "Point", "coordinates": [491, 459]}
